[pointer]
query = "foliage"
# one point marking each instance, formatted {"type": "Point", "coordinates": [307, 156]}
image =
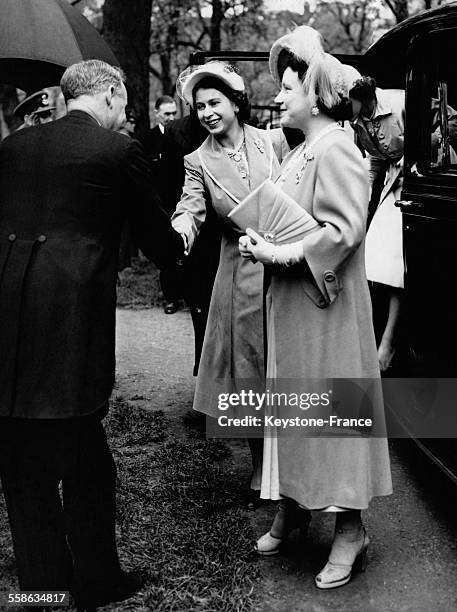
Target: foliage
{"type": "Point", "coordinates": [181, 28]}
{"type": "Point", "coordinates": [348, 27]}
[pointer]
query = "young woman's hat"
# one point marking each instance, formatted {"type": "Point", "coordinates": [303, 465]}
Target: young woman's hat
{"type": "Point", "coordinates": [194, 74]}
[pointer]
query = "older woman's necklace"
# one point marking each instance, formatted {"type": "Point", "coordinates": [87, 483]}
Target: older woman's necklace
{"type": "Point", "coordinates": [304, 154]}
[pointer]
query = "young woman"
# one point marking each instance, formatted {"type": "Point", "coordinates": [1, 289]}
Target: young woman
{"type": "Point", "coordinates": [231, 162]}
{"type": "Point", "coordinates": [319, 312]}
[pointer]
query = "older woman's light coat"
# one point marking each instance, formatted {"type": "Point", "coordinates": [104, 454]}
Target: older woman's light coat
{"type": "Point", "coordinates": [331, 337]}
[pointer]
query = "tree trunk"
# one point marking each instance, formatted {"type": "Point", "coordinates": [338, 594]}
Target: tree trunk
{"type": "Point", "coordinates": [168, 83]}
{"type": "Point", "coordinates": [165, 67]}
{"type": "Point", "coordinates": [401, 10]}
{"type": "Point", "coordinates": [126, 28]}
{"type": "Point", "coordinates": [217, 17]}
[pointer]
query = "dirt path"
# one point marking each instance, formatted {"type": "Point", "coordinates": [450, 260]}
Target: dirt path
{"type": "Point", "coordinates": [413, 559]}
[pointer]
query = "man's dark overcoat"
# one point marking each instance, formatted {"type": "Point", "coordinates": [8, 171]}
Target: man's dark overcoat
{"type": "Point", "coordinates": [65, 189]}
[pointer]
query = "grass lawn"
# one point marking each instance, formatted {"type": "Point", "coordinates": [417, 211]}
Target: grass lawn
{"type": "Point", "coordinates": [138, 286]}
{"type": "Point", "coordinates": [179, 518]}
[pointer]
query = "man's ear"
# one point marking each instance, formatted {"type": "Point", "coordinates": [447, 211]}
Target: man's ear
{"type": "Point", "coordinates": [110, 95]}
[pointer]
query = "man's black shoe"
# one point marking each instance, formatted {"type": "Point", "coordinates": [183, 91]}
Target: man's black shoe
{"type": "Point", "coordinates": [170, 307]}
{"type": "Point", "coordinates": [126, 586]}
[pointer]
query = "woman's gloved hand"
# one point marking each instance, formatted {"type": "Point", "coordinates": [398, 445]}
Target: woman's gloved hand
{"type": "Point", "coordinates": [254, 247]}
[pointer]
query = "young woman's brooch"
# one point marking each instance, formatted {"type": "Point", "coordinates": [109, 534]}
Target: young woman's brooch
{"type": "Point", "coordinates": [259, 144]}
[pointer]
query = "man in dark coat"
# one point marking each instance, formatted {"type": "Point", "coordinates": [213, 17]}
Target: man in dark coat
{"type": "Point", "coordinates": [154, 139]}
{"type": "Point", "coordinates": [154, 142]}
{"type": "Point", "coordinates": [65, 189]}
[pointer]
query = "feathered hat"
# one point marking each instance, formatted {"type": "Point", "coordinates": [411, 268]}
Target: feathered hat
{"type": "Point", "coordinates": [351, 75]}
{"type": "Point", "coordinates": [327, 79]}
{"type": "Point", "coordinates": [305, 43]}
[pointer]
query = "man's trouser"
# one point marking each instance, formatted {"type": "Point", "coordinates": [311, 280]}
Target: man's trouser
{"type": "Point", "coordinates": [63, 536]}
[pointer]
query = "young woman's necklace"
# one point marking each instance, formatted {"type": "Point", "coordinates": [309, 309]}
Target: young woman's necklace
{"type": "Point", "coordinates": [304, 153]}
{"type": "Point", "coordinates": [238, 156]}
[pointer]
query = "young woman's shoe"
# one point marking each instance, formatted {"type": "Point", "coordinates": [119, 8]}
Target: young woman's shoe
{"type": "Point", "coordinates": [348, 550]}
{"type": "Point", "coordinates": [289, 516]}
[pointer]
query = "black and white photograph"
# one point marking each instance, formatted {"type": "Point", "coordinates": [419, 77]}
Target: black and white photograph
{"type": "Point", "coordinates": [228, 330]}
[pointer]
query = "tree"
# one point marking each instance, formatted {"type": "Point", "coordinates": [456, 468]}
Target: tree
{"type": "Point", "coordinates": [399, 8]}
{"type": "Point", "coordinates": [347, 27]}
{"type": "Point", "coordinates": [402, 9]}
{"type": "Point", "coordinates": [126, 28]}
{"type": "Point", "coordinates": [191, 25]}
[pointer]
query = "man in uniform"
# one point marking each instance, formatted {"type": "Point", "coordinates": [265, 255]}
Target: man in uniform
{"type": "Point", "coordinates": [34, 110]}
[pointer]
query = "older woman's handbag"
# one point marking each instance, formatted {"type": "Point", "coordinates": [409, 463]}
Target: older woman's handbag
{"type": "Point", "coordinates": [273, 214]}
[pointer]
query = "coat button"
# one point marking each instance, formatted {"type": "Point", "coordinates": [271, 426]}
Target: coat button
{"type": "Point", "coordinates": [329, 277]}
{"type": "Point", "coordinates": [12, 237]}
{"type": "Point", "coordinates": [41, 238]}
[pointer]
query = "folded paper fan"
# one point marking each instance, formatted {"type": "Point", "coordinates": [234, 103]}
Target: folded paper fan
{"type": "Point", "coordinates": [273, 214]}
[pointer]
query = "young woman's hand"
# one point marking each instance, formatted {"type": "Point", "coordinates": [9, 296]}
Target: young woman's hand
{"type": "Point", "coordinates": [254, 247]}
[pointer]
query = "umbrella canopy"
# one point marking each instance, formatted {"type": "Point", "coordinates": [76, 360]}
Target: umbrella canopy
{"type": "Point", "coordinates": [40, 38]}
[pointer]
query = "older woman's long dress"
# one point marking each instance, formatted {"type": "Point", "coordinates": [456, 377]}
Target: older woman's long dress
{"type": "Point", "coordinates": [233, 348]}
{"type": "Point", "coordinates": [328, 337]}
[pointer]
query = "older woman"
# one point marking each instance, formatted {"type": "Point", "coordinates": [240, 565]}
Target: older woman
{"type": "Point", "coordinates": [231, 162]}
{"type": "Point", "coordinates": [328, 335]}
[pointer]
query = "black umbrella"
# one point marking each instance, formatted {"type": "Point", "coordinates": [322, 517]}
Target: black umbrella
{"type": "Point", "coordinates": [40, 38]}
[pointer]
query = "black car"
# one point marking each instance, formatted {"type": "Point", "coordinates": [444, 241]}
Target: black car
{"type": "Point", "coordinates": [420, 56]}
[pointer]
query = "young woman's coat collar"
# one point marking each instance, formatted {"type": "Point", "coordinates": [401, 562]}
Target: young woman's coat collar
{"type": "Point", "coordinates": [259, 151]}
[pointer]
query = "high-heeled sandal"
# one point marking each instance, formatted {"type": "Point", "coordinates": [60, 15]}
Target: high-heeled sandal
{"type": "Point", "coordinates": [338, 574]}
{"type": "Point", "coordinates": [293, 517]}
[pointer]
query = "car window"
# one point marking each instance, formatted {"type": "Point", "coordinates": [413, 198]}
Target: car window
{"type": "Point", "coordinates": [443, 129]}
{"type": "Point", "coordinates": [432, 106]}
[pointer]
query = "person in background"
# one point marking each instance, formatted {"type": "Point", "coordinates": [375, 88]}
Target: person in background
{"type": "Point", "coordinates": [154, 143]}
{"type": "Point", "coordinates": [65, 190]}
{"type": "Point", "coordinates": [378, 121]}
{"type": "Point", "coordinates": [34, 110]}
{"type": "Point", "coordinates": [165, 112]}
